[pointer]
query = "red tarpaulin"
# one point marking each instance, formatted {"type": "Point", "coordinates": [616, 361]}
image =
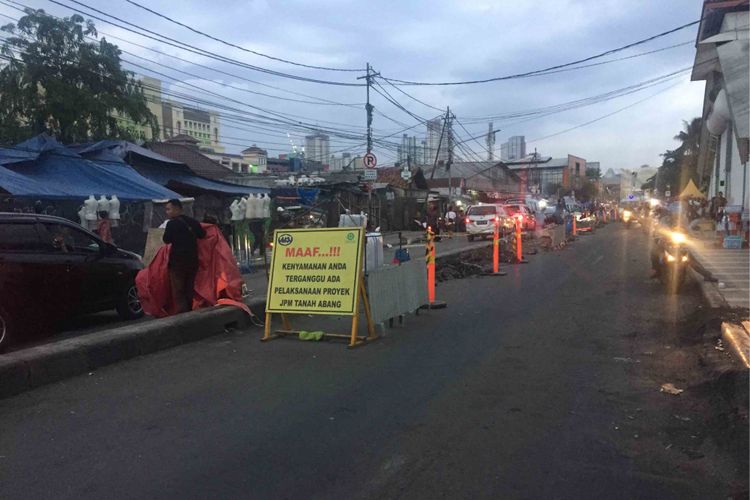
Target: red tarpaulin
{"type": "Point", "coordinates": [218, 277]}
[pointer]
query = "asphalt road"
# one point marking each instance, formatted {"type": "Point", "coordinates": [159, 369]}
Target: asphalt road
{"type": "Point", "coordinates": [517, 390]}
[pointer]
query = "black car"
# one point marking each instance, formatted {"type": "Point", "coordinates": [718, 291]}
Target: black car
{"type": "Point", "coordinates": [51, 269]}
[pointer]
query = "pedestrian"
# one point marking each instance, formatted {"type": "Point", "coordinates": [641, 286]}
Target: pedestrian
{"type": "Point", "coordinates": [433, 219]}
{"type": "Point", "coordinates": [719, 206]}
{"type": "Point", "coordinates": [182, 232]}
{"type": "Point", "coordinates": [450, 222]}
{"type": "Point", "coordinates": [104, 227]}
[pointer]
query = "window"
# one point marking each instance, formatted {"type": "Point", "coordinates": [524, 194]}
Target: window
{"type": "Point", "coordinates": [19, 237]}
{"type": "Point", "coordinates": [216, 134]}
{"type": "Point", "coordinates": [578, 168]}
{"type": "Point", "coordinates": [179, 127]}
{"type": "Point", "coordinates": [482, 210]}
{"type": "Point", "coordinates": [63, 238]}
{"type": "Point", "coordinates": [235, 166]}
{"type": "Point", "coordinates": [244, 168]}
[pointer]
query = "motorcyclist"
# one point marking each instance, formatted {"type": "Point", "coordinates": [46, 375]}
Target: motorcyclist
{"type": "Point", "coordinates": [665, 223]}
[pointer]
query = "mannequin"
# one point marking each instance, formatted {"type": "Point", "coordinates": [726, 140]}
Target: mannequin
{"type": "Point", "coordinates": [114, 208]}
{"type": "Point", "coordinates": [234, 208]}
{"type": "Point", "coordinates": [114, 211]}
{"type": "Point", "coordinates": [103, 204]}
{"type": "Point", "coordinates": [243, 207]}
{"type": "Point", "coordinates": [266, 204]}
{"type": "Point", "coordinates": [252, 207]}
{"type": "Point", "coordinates": [82, 215]}
{"type": "Point", "coordinates": [90, 206]}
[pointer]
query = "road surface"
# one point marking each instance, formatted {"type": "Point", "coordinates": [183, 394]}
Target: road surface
{"type": "Point", "coordinates": [539, 384]}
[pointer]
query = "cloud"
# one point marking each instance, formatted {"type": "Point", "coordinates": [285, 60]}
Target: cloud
{"type": "Point", "coordinates": [440, 40]}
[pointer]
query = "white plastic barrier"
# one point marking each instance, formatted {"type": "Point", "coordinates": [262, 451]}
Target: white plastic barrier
{"type": "Point", "coordinates": [397, 290]}
{"type": "Point", "coordinates": [374, 252]}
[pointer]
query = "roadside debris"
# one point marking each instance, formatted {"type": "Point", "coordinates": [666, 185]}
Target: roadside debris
{"type": "Point", "coordinates": [626, 360]}
{"type": "Point", "coordinates": [671, 389]}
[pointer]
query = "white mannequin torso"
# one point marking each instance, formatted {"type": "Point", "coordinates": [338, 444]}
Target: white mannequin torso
{"type": "Point", "coordinates": [114, 208]}
{"type": "Point", "coordinates": [102, 204]}
{"type": "Point", "coordinates": [90, 206]}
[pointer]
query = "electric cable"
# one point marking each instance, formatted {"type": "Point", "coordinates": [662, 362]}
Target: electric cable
{"type": "Point", "coordinates": [230, 44]}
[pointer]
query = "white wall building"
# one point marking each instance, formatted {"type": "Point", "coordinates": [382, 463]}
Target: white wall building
{"type": "Point", "coordinates": [317, 148]}
{"type": "Point", "coordinates": [722, 61]}
{"type": "Point", "coordinates": [253, 160]}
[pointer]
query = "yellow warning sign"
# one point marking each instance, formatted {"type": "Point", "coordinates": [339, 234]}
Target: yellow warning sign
{"type": "Point", "coordinates": [315, 271]}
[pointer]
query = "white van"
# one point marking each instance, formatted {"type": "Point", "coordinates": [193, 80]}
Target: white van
{"type": "Point", "coordinates": [480, 220]}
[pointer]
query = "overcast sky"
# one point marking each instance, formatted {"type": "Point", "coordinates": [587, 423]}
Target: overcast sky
{"type": "Point", "coordinates": [436, 41]}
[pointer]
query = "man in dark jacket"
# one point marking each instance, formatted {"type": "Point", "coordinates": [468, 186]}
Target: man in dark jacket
{"type": "Point", "coordinates": [182, 232]}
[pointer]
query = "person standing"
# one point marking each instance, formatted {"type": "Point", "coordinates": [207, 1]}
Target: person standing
{"type": "Point", "coordinates": [450, 222]}
{"type": "Point", "coordinates": [182, 232]}
{"type": "Point", "coordinates": [104, 227]}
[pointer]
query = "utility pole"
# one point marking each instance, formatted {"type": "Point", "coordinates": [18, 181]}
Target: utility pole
{"type": "Point", "coordinates": [369, 107]}
{"type": "Point", "coordinates": [440, 142]}
{"type": "Point", "coordinates": [490, 144]}
{"type": "Point", "coordinates": [449, 118]}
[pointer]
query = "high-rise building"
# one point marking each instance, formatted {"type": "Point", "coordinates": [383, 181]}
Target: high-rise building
{"type": "Point", "coordinates": [317, 148]}
{"type": "Point", "coordinates": [409, 152]}
{"type": "Point", "coordinates": [514, 149]}
{"type": "Point", "coordinates": [435, 128]}
{"type": "Point", "coordinates": [197, 123]}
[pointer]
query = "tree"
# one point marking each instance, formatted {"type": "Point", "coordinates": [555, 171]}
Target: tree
{"type": "Point", "coordinates": [681, 164]}
{"type": "Point", "coordinates": [55, 81]}
{"type": "Point", "coordinates": [593, 173]}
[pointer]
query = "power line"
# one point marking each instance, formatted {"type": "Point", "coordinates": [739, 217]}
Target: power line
{"type": "Point", "coordinates": [605, 116]}
{"type": "Point", "coordinates": [411, 96]}
{"type": "Point", "coordinates": [551, 68]}
{"type": "Point", "coordinates": [190, 48]}
{"type": "Point", "coordinates": [388, 97]}
{"type": "Point", "coordinates": [193, 63]}
{"type": "Point", "coordinates": [230, 44]}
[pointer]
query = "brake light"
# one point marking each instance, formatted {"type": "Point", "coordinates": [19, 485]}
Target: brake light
{"type": "Point", "coordinates": [497, 219]}
{"type": "Point", "coordinates": [468, 221]}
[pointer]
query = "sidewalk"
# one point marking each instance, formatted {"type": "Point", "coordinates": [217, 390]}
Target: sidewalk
{"type": "Point", "coordinates": [731, 269]}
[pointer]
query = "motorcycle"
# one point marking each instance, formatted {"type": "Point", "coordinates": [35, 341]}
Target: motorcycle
{"type": "Point", "coordinates": [673, 261]}
{"type": "Point", "coordinates": [627, 217]}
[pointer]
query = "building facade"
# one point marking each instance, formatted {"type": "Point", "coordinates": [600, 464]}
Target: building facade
{"type": "Point", "coordinates": [200, 124]}
{"type": "Point", "coordinates": [436, 147]}
{"type": "Point", "coordinates": [721, 61]}
{"type": "Point", "coordinates": [514, 149]}
{"type": "Point", "coordinates": [253, 160]}
{"type": "Point", "coordinates": [152, 92]}
{"type": "Point", "coordinates": [317, 149]}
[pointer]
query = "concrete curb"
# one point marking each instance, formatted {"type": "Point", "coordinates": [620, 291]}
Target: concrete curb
{"type": "Point", "coordinates": [30, 368]}
{"type": "Point", "coordinates": [709, 290]}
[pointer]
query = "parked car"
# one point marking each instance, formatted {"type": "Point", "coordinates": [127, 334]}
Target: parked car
{"type": "Point", "coordinates": [480, 220]}
{"type": "Point", "coordinates": [528, 221]}
{"type": "Point", "coordinates": [51, 269]}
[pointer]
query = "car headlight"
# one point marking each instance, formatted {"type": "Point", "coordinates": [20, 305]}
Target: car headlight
{"type": "Point", "coordinates": [669, 256]}
{"type": "Point", "coordinates": [677, 238]}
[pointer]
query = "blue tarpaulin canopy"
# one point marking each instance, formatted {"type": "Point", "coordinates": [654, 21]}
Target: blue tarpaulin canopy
{"type": "Point", "coordinates": [51, 170]}
{"type": "Point", "coordinates": [161, 169]}
{"type": "Point", "coordinates": [20, 185]}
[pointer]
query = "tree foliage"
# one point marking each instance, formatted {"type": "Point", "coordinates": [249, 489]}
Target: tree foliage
{"type": "Point", "coordinates": [681, 164]}
{"type": "Point", "coordinates": [54, 80]}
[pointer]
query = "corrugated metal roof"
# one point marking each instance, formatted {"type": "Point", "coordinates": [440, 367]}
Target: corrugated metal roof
{"type": "Point", "coordinates": [193, 158]}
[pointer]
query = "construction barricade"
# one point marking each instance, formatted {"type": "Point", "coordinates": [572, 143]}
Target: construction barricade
{"type": "Point", "coordinates": [319, 272]}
